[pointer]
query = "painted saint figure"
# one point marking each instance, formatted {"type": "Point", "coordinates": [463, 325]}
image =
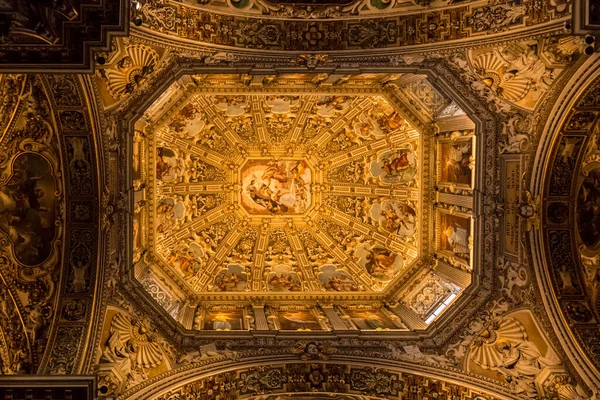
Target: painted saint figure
{"type": "Point", "coordinates": [232, 279]}
{"type": "Point", "coordinates": [380, 262]}
{"type": "Point", "coordinates": [265, 197]}
{"type": "Point", "coordinates": [284, 282]}
{"type": "Point", "coordinates": [458, 239]}
{"type": "Point", "coordinates": [168, 166]}
{"type": "Point", "coordinates": [458, 161]}
{"type": "Point", "coordinates": [395, 166]}
{"type": "Point", "coordinates": [394, 217]}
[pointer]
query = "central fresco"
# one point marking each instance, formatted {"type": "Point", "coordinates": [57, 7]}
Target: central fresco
{"type": "Point", "coordinates": [251, 192]}
{"type": "Point", "coordinates": [276, 187]}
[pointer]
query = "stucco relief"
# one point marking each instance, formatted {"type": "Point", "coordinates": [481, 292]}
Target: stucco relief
{"type": "Point", "coordinates": [522, 72]}
{"type": "Point", "coordinates": [300, 380]}
{"type": "Point", "coordinates": [31, 222]}
{"type": "Point", "coordinates": [125, 68]}
{"type": "Point", "coordinates": [258, 24]}
{"type": "Point", "coordinates": [132, 352]}
{"type": "Point", "coordinates": [326, 267]}
{"type": "Point", "coordinates": [505, 347]}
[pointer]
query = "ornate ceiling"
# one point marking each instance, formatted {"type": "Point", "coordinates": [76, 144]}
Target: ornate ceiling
{"type": "Point", "coordinates": [264, 200]}
{"type": "Point", "coordinates": [349, 25]}
{"type": "Point", "coordinates": [251, 174]}
{"type": "Point", "coordinates": [302, 188]}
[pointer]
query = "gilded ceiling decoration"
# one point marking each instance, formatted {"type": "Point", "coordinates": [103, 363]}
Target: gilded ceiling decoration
{"type": "Point", "coordinates": [359, 24]}
{"type": "Point", "coordinates": [302, 161]}
{"type": "Point", "coordinates": [234, 205]}
{"type": "Point", "coordinates": [238, 230]}
{"type": "Point", "coordinates": [244, 193]}
{"type": "Point", "coordinates": [46, 158]}
{"type": "Point", "coordinates": [572, 185]}
{"type": "Point", "coordinates": [31, 221]}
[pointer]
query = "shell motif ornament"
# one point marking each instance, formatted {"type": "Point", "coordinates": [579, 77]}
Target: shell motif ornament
{"type": "Point", "coordinates": [508, 84]}
{"type": "Point", "coordinates": [506, 348]}
{"type": "Point", "coordinates": [136, 339]}
{"type": "Point", "coordinates": [131, 71]}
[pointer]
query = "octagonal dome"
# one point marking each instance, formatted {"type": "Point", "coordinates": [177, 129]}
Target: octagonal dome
{"type": "Point", "coordinates": [272, 190]}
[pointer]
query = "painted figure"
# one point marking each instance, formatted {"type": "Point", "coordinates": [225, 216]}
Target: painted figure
{"type": "Point", "coordinates": [284, 283]}
{"type": "Point", "coordinates": [337, 280]}
{"type": "Point", "coordinates": [27, 208]}
{"type": "Point", "coordinates": [458, 240]}
{"type": "Point", "coordinates": [221, 323]}
{"type": "Point", "coordinates": [168, 166]}
{"type": "Point", "coordinates": [369, 320]}
{"type": "Point", "coordinates": [276, 187]}
{"type": "Point", "coordinates": [379, 262]}
{"type": "Point", "coordinates": [395, 217]}
{"type": "Point", "coordinates": [183, 259]}
{"type": "Point", "coordinates": [456, 163]}
{"type": "Point", "coordinates": [386, 117]}
{"type": "Point", "coordinates": [299, 320]}
{"type": "Point", "coordinates": [233, 279]}
{"type": "Point", "coordinates": [395, 166]}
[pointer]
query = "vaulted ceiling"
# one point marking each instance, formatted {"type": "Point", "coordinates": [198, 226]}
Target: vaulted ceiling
{"type": "Point", "coordinates": [264, 200]}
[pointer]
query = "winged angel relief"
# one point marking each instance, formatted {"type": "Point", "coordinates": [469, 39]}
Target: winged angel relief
{"type": "Point", "coordinates": [505, 348]}
{"type": "Point", "coordinates": [132, 348]}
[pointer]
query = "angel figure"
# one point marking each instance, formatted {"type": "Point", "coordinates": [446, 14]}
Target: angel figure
{"type": "Point", "coordinates": [311, 351]}
{"type": "Point", "coordinates": [528, 211]}
{"type": "Point", "coordinates": [520, 363]}
{"type": "Point", "coordinates": [505, 347]}
{"type": "Point", "coordinates": [116, 352]}
{"type": "Point", "coordinates": [132, 347]}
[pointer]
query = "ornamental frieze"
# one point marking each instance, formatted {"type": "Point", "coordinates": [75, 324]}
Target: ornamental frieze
{"type": "Point", "coordinates": [262, 25]}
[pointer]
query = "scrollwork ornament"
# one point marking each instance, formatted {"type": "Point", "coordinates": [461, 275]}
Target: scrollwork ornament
{"type": "Point", "coordinates": [517, 134]}
{"type": "Point", "coordinates": [375, 381]}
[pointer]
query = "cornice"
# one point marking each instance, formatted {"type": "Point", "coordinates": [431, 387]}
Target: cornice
{"type": "Point", "coordinates": [495, 39]}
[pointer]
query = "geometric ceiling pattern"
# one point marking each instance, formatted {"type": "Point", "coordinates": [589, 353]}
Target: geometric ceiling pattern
{"type": "Point", "coordinates": [252, 199]}
{"type": "Point", "coordinates": [293, 193]}
{"type": "Point", "coordinates": [267, 183]}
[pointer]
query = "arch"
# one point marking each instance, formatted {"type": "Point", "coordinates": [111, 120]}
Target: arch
{"type": "Point", "coordinates": [352, 375]}
{"type": "Point", "coordinates": [542, 174]}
